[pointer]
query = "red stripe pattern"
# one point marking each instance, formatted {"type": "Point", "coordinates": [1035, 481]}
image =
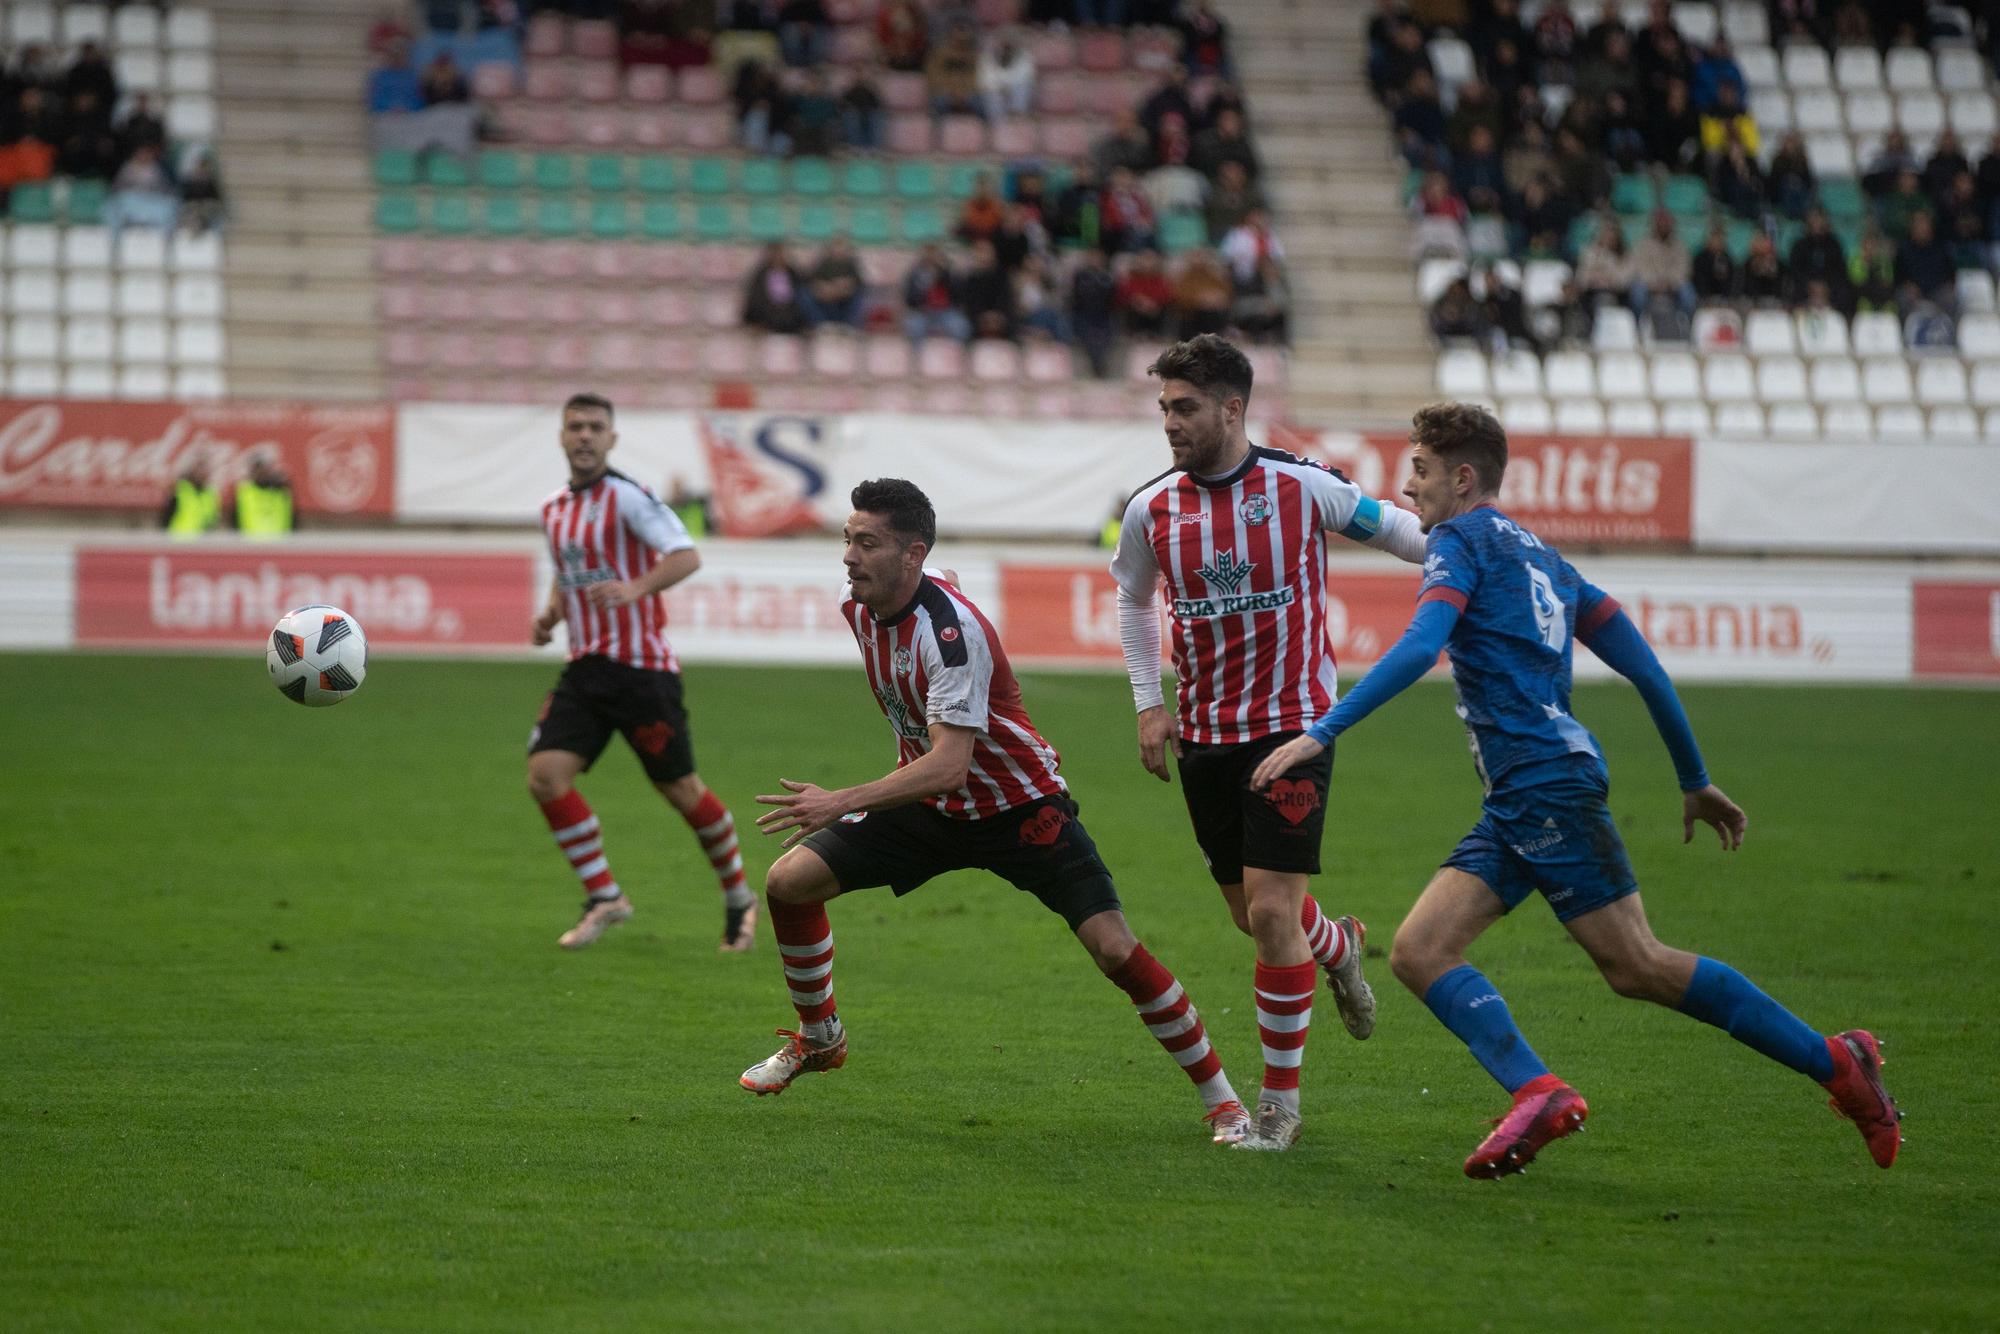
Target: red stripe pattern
{"type": "Point", "coordinates": [1284, 1014]}
{"type": "Point", "coordinates": [613, 529]}
{"type": "Point", "coordinates": [716, 829]}
{"type": "Point", "coordinates": [577, 833]}
{"type": "Point", "coordinates": [1326, 940]}
{"type": "Point", "coordinates": [805, 943]}
{"type": "Point", "coordinates": [1168, 1014]}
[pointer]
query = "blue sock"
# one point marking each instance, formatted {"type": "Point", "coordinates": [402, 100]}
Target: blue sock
{"type": "Point", "coordinates": [1466, 1003]}
{"type": "Point", "coordinates": [1722, 996]}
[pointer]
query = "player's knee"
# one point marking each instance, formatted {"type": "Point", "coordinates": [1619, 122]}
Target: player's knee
{"type": "Point", "coordinates": [1414, 961]}
{"type": "Point", "coordinates": [1269, 916]}
{"type": "Point", "coordinates": [546, 787]}
{"type": "Point", "coordinates": [796, 878]}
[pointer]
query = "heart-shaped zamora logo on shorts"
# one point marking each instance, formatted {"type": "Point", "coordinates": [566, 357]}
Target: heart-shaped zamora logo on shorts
{"type": "Point", "coordinates": [1293, 798]}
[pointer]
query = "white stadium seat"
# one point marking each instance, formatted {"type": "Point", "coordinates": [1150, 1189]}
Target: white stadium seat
{"type": "Point", "coordinates": [197, 254]}
{"type": "Point", "coordinates": [1771, 108]}
{"type": "Point", "coordinates": [199, 382]}
{"type": "Point", "coordinates": [85, 23]}
{"type": "Point", "coordinates": [1781, 380]}
{"type": "Point", "coordinates": [1901, 424]}
{"type": "Point", "coordinates": [1717, 329]}
{"type": "Point", "coordinates": [89, 338]}
{"type": "Point", "coordinates": [1794, 421]}
{"type": "Point", "coordinates": [1806, 66]}
{"type": "Point", "coordinates": [1908, 69]}
{"type": "Point", "coordinates": [1975, 293]}
{"type": "Point", "coordinates": [1745, 23]}
{"type": "Point", "coordinates": [1462, 373]}
{"type": "Point", "coordinates": [190, 29]}
{"type": "Point", "coordinates": [1634, 417]}
{"type": "Point", "coordinates": [1740, 421]}
{"type": "Point", "coordinates": [1579, 416]}
{"type": "Point", "coordinates": [1434, 276]}
{"type": "Point", "coordinates": [192, 116]}
{"type": "Point", "coordinates": [1822, 333]}
{"type": "Point", "coordinates": [1615, 330]}
{"type": "Point", "coordinates": [35, 291]}
{"type": "Point", "coordinates": [1941, 382]}
{"type": "Point", "coordinates": [1835, 380]}
{"type": "Point", "coordinates": [1849, 423]}
{"type": "Point", "coordinates": [1986, 383]}
{"type": "Point", "coordinates": [135, 25]}
{"type": "Point", "coordinates": [1726, 378]}
{"type": "Point", "coordinates": [1686, 418]}
{"type": "Point", "coordinates": [197, 295]}
{"type": "Point", "coordinates": [1870, 112]}
{"type": "Point", "coordinates": [1972, 115]}
{"type": "Point", "coordinates": [1759, 65]}
{"type": "Point", "coordinates": [139, 69]}
{"type": "Point", "coordinates": [86, 248]}
{"type": "Point", "coordinates": [1878, 333]}
{"type": "Point", "coordinates": [198, 343]}
{"type": "Point", "coordinates": [142, 294]}
{"type": "Point", "coordinates": [1699, 24]}
{"type": "Point", "coordinates": [89, 379]}
{"type": "Point", "coordinates": [1960, 70]}
{"type": "Point", "coordinates": [144, 382]}
{"type": "Point", "coordinates": [142, 248]}
{"type": "Point", "coordinates": [1979, 337]}
{"type": "Point", "coordinates": [142, 340]}
{"type": "Point", "coordinates": [1527, 416]}
{"type": "Point", "coordinates": [190, 72]}
{"type": "Point", "coordinates": [33, 246]}
{"type": "Point", "coordinates": [1857, 67]}
{"type": "Point", "coordinates": [87, 292]}
{"type": "Point", "coordinates": [1516, 374]}
{"type": "Point", "coordinates": [1676, 375]}
{"type": "Point", "coordinates": [1989, 425]}
{"type": "Point", "coordinates": [1886, 380]}
{"type": "Point", "coordinates": [1769, 333]}
{"type": "Point", "coordinates": [1570, 375]}
{"type": "Point", "coordinates": [35, 338]}
{"type": "Point", "coordinates": [1542, 282]}
{"type": "Point", "coordinates": [1452, 59]}
{"type": "Point", "coordinates": [34, 379]}
{"type": "Point", "coordinates": [31, 22]}
{"type": "Point", "coordinates": [1920, 114]}
{"type": "Point", "coordinates": [1622, 376]}
{"type": "Point", "coordinates": [1956, 425]}
{"type": "Point", "coordinates": [1831, 154]}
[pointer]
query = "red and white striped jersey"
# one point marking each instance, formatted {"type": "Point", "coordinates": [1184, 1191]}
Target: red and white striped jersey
{"type": "Point", "coordinates": [939, 661]}
{"type": "Point", "coordinates": [613, 529]}
{"type": "Point", "coordinates": [1244, 560]}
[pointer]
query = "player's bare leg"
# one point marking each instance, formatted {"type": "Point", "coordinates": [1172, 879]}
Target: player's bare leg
{"type": "Point", "coordinates": [715, 829]}
{"type": "Point", "coordinates": [1286, 977]}
{"type": "Point", "coordinates": [797, 889]}
{"type": "Point", "coordinates": [1169, 1015]}
{"type": "Point", "coordinates": [552, 783]}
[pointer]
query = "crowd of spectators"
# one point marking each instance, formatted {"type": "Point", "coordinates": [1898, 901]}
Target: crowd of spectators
{"type": "Point", "coordinates": [1556, 113]}
{"type": "Point", "coordinates": [67, 119]}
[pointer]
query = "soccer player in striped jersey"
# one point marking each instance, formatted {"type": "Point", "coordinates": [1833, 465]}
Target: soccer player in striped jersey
{"type": "Point", "coordinates": [616, 549]}
{"type": "Point", "coordinates": [1508, 608]}
{"type": "Point", "coordinates": [975, 785]}
{"type": "Point", "coordinates": [1237, 533]}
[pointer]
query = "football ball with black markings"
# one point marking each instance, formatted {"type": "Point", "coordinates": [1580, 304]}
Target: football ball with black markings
{"type": "Point", "coordinates": [317, 656]}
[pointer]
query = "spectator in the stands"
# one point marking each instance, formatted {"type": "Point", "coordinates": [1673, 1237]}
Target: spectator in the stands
{"type": "Point", "coordinates": [814, 124]}
{"type": "Point", "coordinates": [1028, 187]}
{"type": "Point", "coordinates": [1555, 44]}
{"type": "Point", "coordinates": [1006, 77]}
{"type": "Point", "coordinates": [1851, 25]}
{"type": "Point", "coordinates": [1203, 295]}
{"type": "Point", "coordinates": [1987, 178]}
{"type": "Point", "coordinates": [1526, 157]}
{"type": "Point", "coordinates": [1763, 280]}
{"type": "Point", "coordinates": [1125, 213]}
{"type": "Point", "coordinates": [1713, 272]}
{"type": "Point", "coordinates": [986, 294]}
{"type": "Point", "coordinates": [140, 125]}
{"type": "Point", "coordinates": [1440, 217]}
{"type": "Point", "coordinates": [91, 73]}
{"type": "Point", "coordinates": [1609, 69]}
{"type": "Point", "coordinates": [1903, 202]}
{"type": "Point", "coordinates": [979, 216]}
{"type": "Point", "coordinates": [1506, 311]}
{"type": "Point", "coordinates": [773, 296]}
{"type": "Point", "coordinates": [1224, 141]}
{"type": "Point", "coordinates": [1233, 195]}
{"type": "Point", "coordinates": [1604, 266]}
{"type": "Point", "coordinates": [947, 16]}
{"type": "Point", "coordinates": [1736, 182]}
{"type": "Point", "coordinates": [749, 15]}
{"type": "Point", "coordinates": [1476, 173]}
{"type": "Point", "coordinates": [901, 35]}
{"type": "Point", "coordinates": [1169, 98]}
{"type": "Point", "coordinates": [1420, 124]}
{"type": "Point", "coordinates": [1880, 173]}
{"type": "Point", "coordinates": [1456, 315]}
{"type": "Point", "coordinates": [951, 75]}
{"type": "Point", "coordinates": [90, 150]}
{"type": "Point", "coordinates": [763, 109]}
{"type": "Point", "coordinates": [1093, 309]}
{"type": "Point", "coordinates": [834, 289]}
{"type": "Point", "coordinates": [1673, 130]}
{"type": "Point", "coordinates": [1079, 209]}
{"type": "Point", "coordinates": [1584, 180]}
{"type": "Point", "coordinates": [1610, 22]}
{"type": "Point", "coordinates": [1019, 236]}
{"type": "Point", "coordinates": [1146, 295]}
{"type": "Point", "coordinates": [861, 111]}
{"type": "Point", "coordinates": [142, 195]}
{"type": "Point", "coordinates": [931, 298]}
{"type": "Point", "coordinates": [1791, 182]}
{"type": "Point", "coordinates": [202, 205]}
{"type": "Point", "coordinates": [1727, 121]}
{"type": "Point", "coordinates": [1263, 306]}
{"type": "Point", "coordinates": [1404, 57]}
{"type": "Point", "coordinates": [1539, 222]}
{"type": "Point", "coordinates": [1961, 223]}
{"type": "Point", "coordinates": [443, 84]}
{"type": "Point", "coordinates": [1947, 162]}
{"type": "Point", "coordinates": [1511, 78]}
{"type": "Point", "coordinates": [805, 33]}
{"type": "Point", "coordinates": [390, 33]}
{"type": "Point", "coordinates": [1871, 274]}
{"type": "Point", "coordinates": [394, 86]}
{"type": "Point", "coordinates": [1127, 145]}
{"type": "Point", "coordinates": [1038, 309]}
{"type": "Point", "coordinates": [445, 16]}
{"type": "Point", "coordinates": [1662, 269]}
{"type": "Point", "coordinates": [1819, 257]}
{"type": "Point", "coordinates": [1477, 108]}
{"type": "Point", "coordinates": [1660, 54]}
{"type": "Point", "coordinates": [1250, 245]}
{"type": "Point", "coordinates": [1717, 69]}
{"type": "Point", "coordinates": [1204, 40]}
{"type": "Point", "coordinates": [1925, 268]}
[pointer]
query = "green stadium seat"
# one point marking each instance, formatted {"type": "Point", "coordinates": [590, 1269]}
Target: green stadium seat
{"type": "Point", "coordinates": [604, 174]}
{"type": "Point", "coordinates": [501, 171]}
{"type": "Point", "coordinates": [1182, 231]}
{"type": "Point", "coordinates": [1635, 228]}
{"type": "Point", "coordinates": [768, 221]}
{"type": "Point", "coordinates": [395, 166]}
{"type": "Point", "coordinates": [1740, 231]}
{"type": "Point", "coordinates": [32, 203]}
{"type": "Point", "coordinates": [609, 219]}
{"type": "Point", "coordinates": [817, 222]}
{"type": "Point", "coordinates": [714, 221]}
{"type": "Point", "coordinates": [709, 176]}
{"type": "Point", "coordinates": [916, 180]}
{"type": "Point", "coordinates": [1685, 195]}
{"type": "Point", "coordinates": [763, 176]}
{"type": "Point", "coordinates": [812, 176]}
{"type": "Point", "coordinates": [656, 175]}
{"type": "Point", "coordinates": [1842, 198]}
{"type": "Point", "coordinates": [446, 171]}
{"type": "Point", "coordinates": [869, 225]}
{"type": "Point", "coordinates": [452, 214]}
{"type": "Point", "coordinates": [554, 172]}
{"type": "Point", "coordinates": [1413, 181]}
{"type": "Point", "coordinates": [864, 180]}
{"type": "Point", "coordinates": [1582, 231]}
{"type": "Point", "coordinates": [1787, 235]}
{"type": "Point", "coordinates": [396, 212]}
{"type": "Point", "coordinates": [964, 175]}
{"type": "Point", "coordinates": [555, 217]}
{"type": "Point", "coordinates": [505, 216]}
{"type": "Point", "coordinates": [86, 203]}
{"type": "Point", "coordinates": [1632, 194]}
{"type": "Point", "coordinates": [660, 220]}
{"type": "Point", "coordinates": [922, 223]}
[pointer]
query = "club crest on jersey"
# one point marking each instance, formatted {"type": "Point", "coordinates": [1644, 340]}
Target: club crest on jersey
{"type": "Point", "coordinates": [1227, 572]}
{"type": "Point", "coordinates": [1256, 511]}
{"type": "Point", "coordinates": [904, 662]}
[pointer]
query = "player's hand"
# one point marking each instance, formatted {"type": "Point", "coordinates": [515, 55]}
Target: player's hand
{"type": "Point", "coordinates": [802, 808]}
{"type": "Point", "coordinates": [544, 631]}
{"type": "Point", "coordinates": [1156, 738]}
{"type": "Point", "coordinates": [613, 593]}
{"type": "Point", "coordinates": [1285, 758]}
{"type": "Point", "coordinates": [949, 575]}
{"type": "Point", "coordinates": [1718, 812]}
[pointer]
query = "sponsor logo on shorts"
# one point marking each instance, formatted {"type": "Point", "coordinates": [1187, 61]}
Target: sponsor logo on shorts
{"type": "Point", "coordinates": [1542, 842]}
{"type": "Point", "coordinates": [1044, 827]}
{"type": "Point", "coordinates": [654, 738]}
{"type": "Point", "coordinates": [1293, 799]}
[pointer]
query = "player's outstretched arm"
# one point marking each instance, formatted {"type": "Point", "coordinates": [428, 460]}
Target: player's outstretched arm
{"type": "Point", "coordinates": [1617, 641]}
{"type": "Point", "coordinates": [804, 808]}
{"type": "Point", "coordinates": [1401, 667]}
{"type": "Point", "coordinates": [1400, 534]}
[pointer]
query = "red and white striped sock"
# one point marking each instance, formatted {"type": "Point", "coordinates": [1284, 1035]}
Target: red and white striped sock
{"type": "Point", "coordinates": [575, 827]}
{"type": "Point", "coordinates": [805, 943]}
{"type": "Point", "coordinates": [1284, 1013]}
{"type": "Point", "coordinates": [1171, 1017]}
{"type": "Point", "coordinates": [713, 825]}
{"type": "Point", "coordinates": [1327, 941]}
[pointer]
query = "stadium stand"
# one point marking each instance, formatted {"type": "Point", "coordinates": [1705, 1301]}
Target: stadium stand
{"type": "Point", "coordinates": [112, 247]}
{"type": "Point", "coordinates": [1607, 235]}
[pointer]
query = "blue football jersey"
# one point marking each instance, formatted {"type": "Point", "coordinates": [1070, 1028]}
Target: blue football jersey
{"type": "Point", "coordinates": [1520, 606]}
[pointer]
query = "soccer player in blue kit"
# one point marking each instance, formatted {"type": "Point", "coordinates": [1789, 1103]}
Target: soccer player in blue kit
{"type": "Point", "coordinates": [1506, 607]}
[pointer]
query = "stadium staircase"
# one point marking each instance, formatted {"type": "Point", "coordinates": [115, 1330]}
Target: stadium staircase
{"type": "Point", "coordinates": [293, 135]}
{"type": "Point", "coordinates": [1361, 354]}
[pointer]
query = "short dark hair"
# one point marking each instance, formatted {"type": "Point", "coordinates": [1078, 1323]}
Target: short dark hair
{"type": "Point", "coordinates": [1209, 362]}
{"type": "Point", "coordinates": [1463, 433]}
{"type": "Point", "coordinates": [589, 400]}
{"type": "Point", "coordinates": [908, 509]}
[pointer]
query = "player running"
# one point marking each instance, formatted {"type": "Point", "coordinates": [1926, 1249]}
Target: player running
{"type": "Point", "coordinates": [975, 785]}
{"type": "Point", "coordinates": [1506, 606]}
{"type": "Point", "coordinates": [616, 549]}
{"type": "Point", "coordinates": [1238, 533]}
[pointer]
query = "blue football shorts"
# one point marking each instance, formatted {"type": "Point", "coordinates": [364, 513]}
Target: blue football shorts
{"type": "Point", "coordinates": [1554, 836]}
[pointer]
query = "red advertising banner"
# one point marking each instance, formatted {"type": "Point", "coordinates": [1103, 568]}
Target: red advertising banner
{"type": "Point", "coordinates": [340, 458]}
{"type": "Point", "coordinates": [1957, 629]}
{"type": "Point", "coordinates": [1068, 614]}
{"type": "Point", "coordinates": [176, 596]}
{"type": "Point", "coordinates": [1584, 490]}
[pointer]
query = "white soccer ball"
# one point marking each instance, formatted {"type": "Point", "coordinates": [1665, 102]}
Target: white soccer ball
{"type": "Point", "coordinates": [317, 656]}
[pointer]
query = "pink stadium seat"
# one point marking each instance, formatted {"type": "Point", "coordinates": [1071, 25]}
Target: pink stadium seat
{"type": "Point", "coordinates": [664, 263]}
{"type": "Point", "coordinates": [1060, 94]}
{"type": "Point", "coordinates": [1002, 400]}
{"type": "Point", "coordinates": [598, 81]}
{"type": "Point", "coordinates": [895, 396]}
{"type": "Point", "coordinates": [667, 308]}
{"type": "Point", "coordinates": [842, 397]}
{"type": "Point", "coordinates": [650, 127]}
{"type": "Point", "coordinates": [726, 354]}
{"type": "Point", "coordinates": [405, 303]}
{"type": "Point", "coordinates": [548, 125]}
{"type": "Point", "coordinates": [612, 263]}
{"type": "Point", "coordinates": [494, 81]}
{"type": "Point", "coordinates": [882, 265]}
{"type": "Point", "coordinates": [724, 263]}
{"type": "Point", "coordinates": [1101, 52]}
{"type": "Point", "coordinates": [460, 259]}
{"type": "Point", "coordinates": [594, 39]}
{"type": "Point", "coordinates": [1138, 356]}
{"type": "Point", "coordinates": [600, 127]}
{"type": "Point", "coordinates": [516, 352]}
{"type": "Point", "coordinates": [406, 347]}
{"type": "Point", "coordinates": [649, 83]}
{"type": "Point", "coordinates": [617, 352]}
{"type": "Point", "coordinates": [1053, 51]}
{"type": "Point", "coordinates": [782, 355]}
{"type": "Point", "coordinates": [1052, 404]}
{"type": "Point", "coordinates": [835, 356]}
{"type": "Point", "coordinates": [618, 309]}
{"type": "Point", "coordinates": [853, 44]}
{"type": "Point", "coordinates": [676, 395]}
{"type": "Point", "coordinates": [909, 132]}
{"type": "Point", "coordinates": [941, 359]}
{"type": "Point", "coordinates": [558, 261]}
{"type": "Point", "coordinates": [1267, 368]}
{"type": "Point", "coordinates": [997, 13]}
{"type": "Point", "coordinates": [1047, 362]}
{"type": "Point", "coordinates": [547, 35]}
{"type": "Point", "coordinates": [850, 12]}
{"type": "Point", "coordinates": [947, 399]}
{"type": "Point", "coordinates": [507, 259]}
{"type": "Point", "coordinates": [564, 307]}
{"type": "Point", "coordinates": [903, 91]}
{"type": "Point", "coordinates": [704, 130]}
{"type": "Point", "coordinates": [1066, 138]}
{"type": "Point", "coordinates": [409, 388]}
{"type": "Point", "coordinates": [702, 86]}
{"type": "Point", "coordinates": [962, 134]}
{"type": "Point", "coordinates": [673, 356]}
{"type": "Point", "coordinates": [1015, 138]}
{"type": "Point", "coordinates": [888, 357]}
{"type": "Point", "coordinates": [1108, 97]}
{"type": "Point", "coordinates": [1153, 48]}
{"type": "Point", "coordinates": [546, 80]}
{"type": "Point", "coordinates": [721, 309]}
{"type": "Point", "coordinates": [455, 304]}
{"type": "Point", "coordinates": [458, 351]}
{"type": "Point", "coordinates": [995, 359]}
{"type": "Point", "coordinates": [455, 389]}
{"type": "Point", "coordinates": [513, 305]}
{"type": "Point", "coordinates": [566, 354]}
{"type": "Point", "coordinates": [399, 255]}
{"type": "Point", "coordinates": [1108, 400]}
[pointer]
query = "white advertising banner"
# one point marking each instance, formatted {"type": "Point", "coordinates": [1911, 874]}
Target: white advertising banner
{"type": "Point", "coordinates": [1847, 499]}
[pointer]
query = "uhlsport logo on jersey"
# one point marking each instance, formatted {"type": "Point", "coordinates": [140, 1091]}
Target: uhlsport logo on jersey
{"type": "Point", "coordinates": [1227, 573]}
{"type": "Point", "coordinates": [1256, 511]}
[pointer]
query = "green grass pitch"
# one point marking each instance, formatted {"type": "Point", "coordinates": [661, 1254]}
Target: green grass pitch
{"type": "Point", "coordinates": [286, 1041]}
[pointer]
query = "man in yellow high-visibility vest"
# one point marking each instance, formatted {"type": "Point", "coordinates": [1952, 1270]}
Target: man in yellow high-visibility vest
{"type": "Point", "coordinates": [194, 506]}
{"type": "Point", "coordinates": [264, 501]}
